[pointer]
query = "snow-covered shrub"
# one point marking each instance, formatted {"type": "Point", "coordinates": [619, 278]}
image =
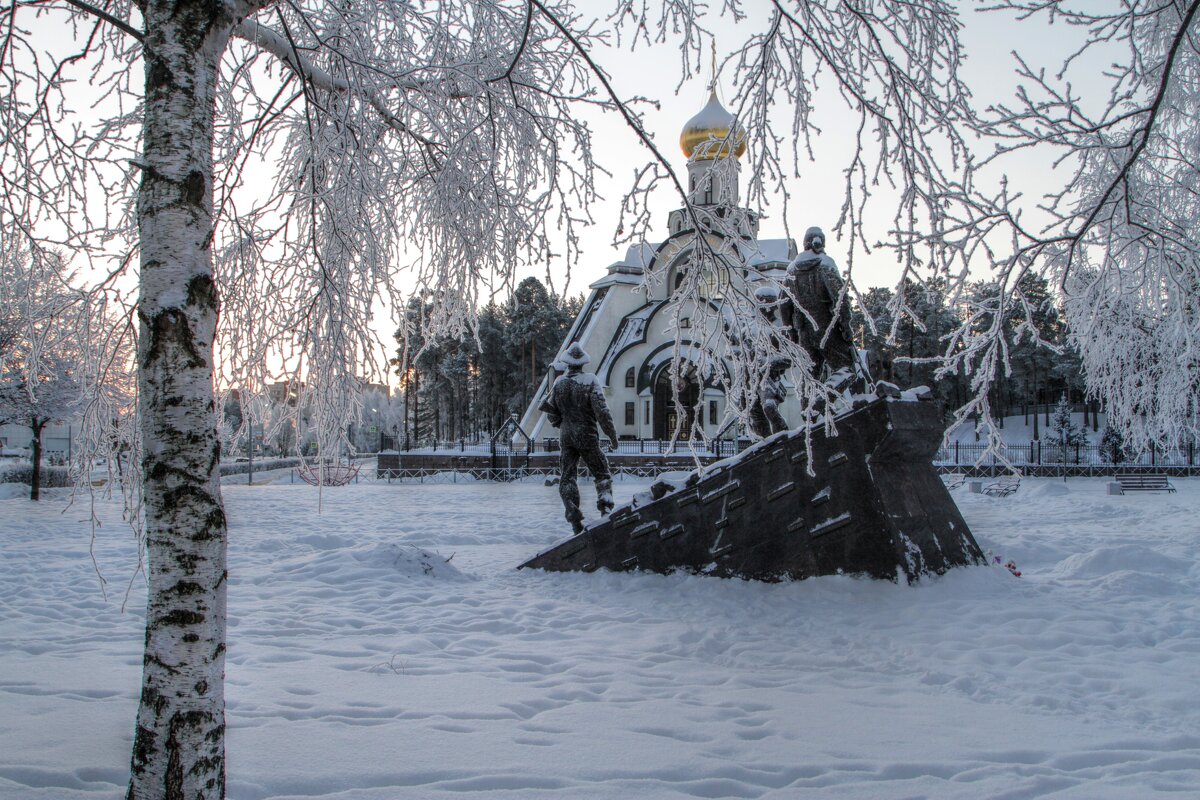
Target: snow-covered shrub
{"type": "Point", "coordinates": [52, 477]}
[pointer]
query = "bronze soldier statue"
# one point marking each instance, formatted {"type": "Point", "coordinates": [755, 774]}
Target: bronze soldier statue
{"type": "Point", "coordinates": [765, 416]}
{"type": "Point", "coordinates": [576, 406]}
{"type": "Point", "coordinates": [815, 284]}
{"type": "Point", "coordinates": [771, 393]}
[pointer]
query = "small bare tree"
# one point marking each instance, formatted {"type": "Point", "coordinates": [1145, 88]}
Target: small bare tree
{"type": "Point", "coordinates": [41, 358]}
{"type": "Point", "coordinates": [49, 393]}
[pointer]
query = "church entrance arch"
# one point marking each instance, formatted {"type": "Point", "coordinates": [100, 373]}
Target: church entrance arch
{"type": "Point", "coordinates": [667, 414]}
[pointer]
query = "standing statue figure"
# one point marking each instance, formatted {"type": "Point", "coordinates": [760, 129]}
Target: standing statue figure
{"type": "Point", "coordinates": [765, 417]}
{"type": "Point", "coordinates": [576, 406]}
{"type": "Point", "coordinates": [816, 286]}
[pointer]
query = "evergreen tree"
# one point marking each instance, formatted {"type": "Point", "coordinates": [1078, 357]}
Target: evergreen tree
{"type": "Point", "coordinates": [465, 387]}
{"type": "Point", "coordinates": [537, 322]}
{"type": "Point", "coordinates": [1112, 446]}
{"type": "Point", "coordinates": [871, 322]}
{"type": "Point", "coordinates": [906, 351]}
{"type": "Point", "coordinates": [495, 374]}
{"type": "Point", "coordinates": [411, 339]}
{"type": "Point", "coordinates": [1037, 328]}
{"type": "Point", "coordinates": [1032, 324]}
{"type": "Point", "coordinates": [1064, 433]}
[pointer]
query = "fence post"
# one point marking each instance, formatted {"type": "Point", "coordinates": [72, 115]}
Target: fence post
{"type": "Point", "coordinates": [1153, 456]}
{"type": "Point", "coordinates": [1039, 453]}
{"type": "Point", "coordinates": [1190, 462]}
{"type": "Point", "coordinates": [956, 452]}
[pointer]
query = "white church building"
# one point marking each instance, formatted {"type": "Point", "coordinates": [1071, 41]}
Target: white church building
{"type": "Point", "coordinates": [629, 322]}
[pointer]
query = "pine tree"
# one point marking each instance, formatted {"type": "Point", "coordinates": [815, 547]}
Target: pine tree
{"type": "Point", "coordinates": [1112, 446]}
{"type": "Point", "coordinates": [1065, 434]}
{"type": "Point", "coordinates": [907, 349]}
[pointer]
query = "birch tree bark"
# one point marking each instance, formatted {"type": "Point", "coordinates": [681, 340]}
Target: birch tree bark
{"type": "Point", "coordinates": [179, 746]}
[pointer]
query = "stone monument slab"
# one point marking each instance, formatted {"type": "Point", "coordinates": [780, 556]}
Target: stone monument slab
{"type": "Point", "coordinates": [866, 501]}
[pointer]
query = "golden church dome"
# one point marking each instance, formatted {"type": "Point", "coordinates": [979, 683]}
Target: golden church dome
{"type": "Point", "coordinates": [713, 121]}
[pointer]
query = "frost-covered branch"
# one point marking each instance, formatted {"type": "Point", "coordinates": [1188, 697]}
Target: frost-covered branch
{"type": "Point", "coordinates": [1117, 233]}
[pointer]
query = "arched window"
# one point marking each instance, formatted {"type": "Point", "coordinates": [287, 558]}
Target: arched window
{"type": "Point", "coordinates": [716, 281]}
{"type": "Point", "coordinates": [630, 378]}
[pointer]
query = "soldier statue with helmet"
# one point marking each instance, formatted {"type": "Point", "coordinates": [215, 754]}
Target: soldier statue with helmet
{"type": "Point", "coordinates": [575, 405]}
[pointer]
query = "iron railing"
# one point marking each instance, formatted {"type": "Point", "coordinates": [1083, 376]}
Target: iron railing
{"type": "Point", "coordinates": [1048, 453]}
{"type": "Point", "coordinates": [455, 474]}
{"type": "Point", "coordinates": [722, 448]}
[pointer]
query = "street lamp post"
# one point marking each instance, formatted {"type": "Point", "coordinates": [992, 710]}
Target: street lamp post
{"type": "Point", "coordinates": [250, 449]}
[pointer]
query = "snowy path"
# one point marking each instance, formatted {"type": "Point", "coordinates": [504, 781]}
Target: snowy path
{"type": "Point", "coordinates": [353, 674]}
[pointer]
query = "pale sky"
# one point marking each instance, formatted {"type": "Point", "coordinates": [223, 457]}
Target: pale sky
{"type": "Point", "coordinates": [989, 40]}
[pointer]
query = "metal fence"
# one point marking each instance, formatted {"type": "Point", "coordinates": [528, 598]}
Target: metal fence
{"type": "Point", "coordinates": [1048, 459]}
{"type": "Point", "coordinates": [1033, 458]}
{"type": "Point", "coordinates": [1046, 453]}
{"type": "Point", "coordinates": [503, 474]}
{"type": "Point", "coordinates": [722, 448]}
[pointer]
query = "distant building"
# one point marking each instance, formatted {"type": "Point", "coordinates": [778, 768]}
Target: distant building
{"type": "Point", "coordinates": [288, 391]}
{"type": "Point", "coordinates": [627, 324]}
{"type": "Point", "coordinates": [57, 440]}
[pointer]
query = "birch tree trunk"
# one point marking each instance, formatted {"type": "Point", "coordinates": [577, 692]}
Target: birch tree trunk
{"type": "Point", "coordinates": [179, 745]}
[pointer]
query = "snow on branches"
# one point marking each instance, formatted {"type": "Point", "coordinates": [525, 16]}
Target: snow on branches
{"type": "Point", "coordinates": [1118, 234]}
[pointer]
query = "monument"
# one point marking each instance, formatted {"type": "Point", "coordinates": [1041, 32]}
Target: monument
{"type": "Point", "coordinates": [859, 497]}
{"type": "Point", "coordinates": [864, 502]}
{"type": "Point", "coordinates": [819, 320]}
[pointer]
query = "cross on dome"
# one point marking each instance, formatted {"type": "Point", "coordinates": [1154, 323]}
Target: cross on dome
{"type": "Point", "coordinates": [711, 128]}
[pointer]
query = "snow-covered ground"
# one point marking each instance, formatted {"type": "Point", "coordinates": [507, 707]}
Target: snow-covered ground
{"type": "Point", "coordinates": [360, 669]}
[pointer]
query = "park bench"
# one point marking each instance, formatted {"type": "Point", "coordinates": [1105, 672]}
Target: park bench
{"type": "Point", "coordinates": [1003, 487]}
{"type": "Point", "coordinates": [954, 480]}
{"type": "Point", "coordinates": [1144, 483]}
